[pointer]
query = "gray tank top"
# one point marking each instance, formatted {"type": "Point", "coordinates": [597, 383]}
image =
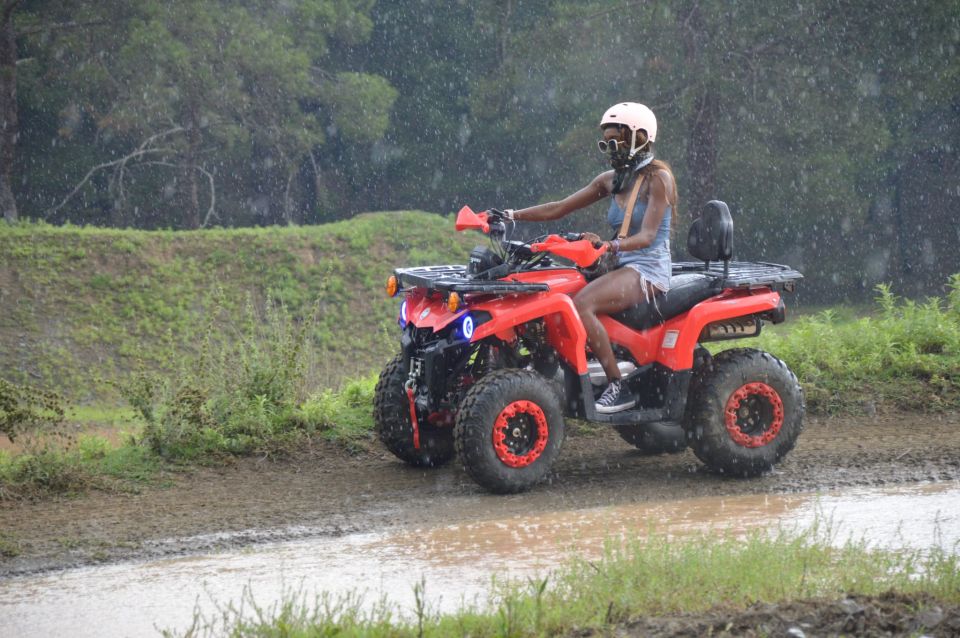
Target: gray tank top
{"type": "Point", "coordinates": [653, 262]}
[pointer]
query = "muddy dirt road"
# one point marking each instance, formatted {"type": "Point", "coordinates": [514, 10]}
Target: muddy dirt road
{"type": "Point", "coordinates": [324, 491]}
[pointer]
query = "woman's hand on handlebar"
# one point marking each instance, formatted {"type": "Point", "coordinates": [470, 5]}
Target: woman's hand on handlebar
{"type": "Point", "coordinates": [593, 239]}
{"type": "Point", "coordinates": [611, 246]}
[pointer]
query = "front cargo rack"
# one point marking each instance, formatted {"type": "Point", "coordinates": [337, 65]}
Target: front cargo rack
{"type": "Point", "coordinates": [454, 279]}
{"type": "Point", "coordinates": [744, 274]}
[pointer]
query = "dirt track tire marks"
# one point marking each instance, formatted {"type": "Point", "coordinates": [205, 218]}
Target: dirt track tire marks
{"type": "Point", "coordinates": [474, 431]}
{"type": "Point", "coordinates": [391, 417]}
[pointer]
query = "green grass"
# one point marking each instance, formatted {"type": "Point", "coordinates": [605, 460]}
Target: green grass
{"type": "Point", "coordinates": [343, 416]}
{"type": "Point", "coordinates": [904, 355]}
{"type": "Point", "coordinates": [9, 545]}
{"type": "Point", "coordinates": [243, 390]}
{"type": "Point", "coordinates": [83, 305]}
{"type": "Point", "coordinates": [647, 576]}
{"type": "Point", "coordinates": [57, 467]}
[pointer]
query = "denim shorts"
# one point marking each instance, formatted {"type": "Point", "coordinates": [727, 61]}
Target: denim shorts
{"type": "Point", "coordinates": [644, 271]}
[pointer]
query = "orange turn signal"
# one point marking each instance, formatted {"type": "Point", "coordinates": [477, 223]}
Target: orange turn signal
{"type": "Point", "coordinates": [453, 302]}
{"type": "Point", "coordinates": [393, 286]}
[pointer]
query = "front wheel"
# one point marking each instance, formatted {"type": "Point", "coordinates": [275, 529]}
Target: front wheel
{"type": "Point", "coordinates": [509, 430]}
{"type": "Point", "coordinates": [744, 413]}
{"type": "Point", "coordinates": [391, 417]}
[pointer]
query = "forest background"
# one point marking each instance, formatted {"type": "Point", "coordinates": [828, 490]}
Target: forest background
{"type": "Point", "coordinates": [831, 127]}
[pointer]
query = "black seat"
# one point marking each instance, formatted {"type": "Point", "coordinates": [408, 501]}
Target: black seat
{"type": "Point", "coordinates": [686, 291]}
{"type": "Point", "coordinates": [710, 239]}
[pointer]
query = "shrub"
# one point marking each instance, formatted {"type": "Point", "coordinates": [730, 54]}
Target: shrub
{"type": "Point", "coordinates": [25, 409]}
{"type": "Point", "coordinates": [237, 393]}
{"type": "Point", "coordinates": [345, 416]}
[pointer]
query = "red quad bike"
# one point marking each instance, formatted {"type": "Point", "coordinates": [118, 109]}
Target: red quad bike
{"type": "Point", "coordinates": [494, 356]}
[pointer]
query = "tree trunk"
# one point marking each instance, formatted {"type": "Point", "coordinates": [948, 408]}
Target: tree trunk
{"type": "Point", "coordinates": [9, 122]}
{"type": "Point", "coordinates": [702, 149]}
{"type": "Point", "coordinates": [703, 119]}
{"type": "Point", "coordinates": [191, 216]}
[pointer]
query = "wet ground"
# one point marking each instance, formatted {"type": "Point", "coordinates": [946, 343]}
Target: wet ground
{"type": "Point", "coordinates": [456, 562]}
{"type": "Point", "coordinates": [324, 491]}
{"type": "Point", "coordinates": [287, 517]}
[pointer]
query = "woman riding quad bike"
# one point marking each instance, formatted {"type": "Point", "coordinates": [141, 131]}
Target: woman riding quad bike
{"type": "Point", "coordinates": [497, 352]}
{"type": "Point", "coordinates": [641, 244]}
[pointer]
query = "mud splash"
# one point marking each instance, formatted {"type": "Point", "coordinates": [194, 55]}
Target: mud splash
{"type": "Point", "coordinates": [457, 562]}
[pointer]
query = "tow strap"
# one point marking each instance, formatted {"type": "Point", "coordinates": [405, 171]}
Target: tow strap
{"type": "Point", "coordinates": [413, 418]}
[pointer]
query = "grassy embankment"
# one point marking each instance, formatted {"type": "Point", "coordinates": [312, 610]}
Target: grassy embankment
{"type": "Point", "coordinates": [84, 306]}
{"type": "Point", "coordinates": [223, 342]}
{"type": "Point", "coordinates": [642, 577]}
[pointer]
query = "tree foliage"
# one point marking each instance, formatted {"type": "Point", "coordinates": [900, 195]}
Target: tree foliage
{"type": "Point", "coordinates": [831, 127]}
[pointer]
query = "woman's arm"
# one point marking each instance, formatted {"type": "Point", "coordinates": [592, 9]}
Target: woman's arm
{"type": "Point", "coordinates": [656, 207]}
{"type": "Point", "coordinates": [589, 194]}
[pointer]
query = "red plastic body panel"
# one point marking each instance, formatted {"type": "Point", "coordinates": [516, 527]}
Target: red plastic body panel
{"type": "Point", "coordinates": [580, 252]}
{"type": "Point", "coordinates": [684, 330]}
{"type": "Point", "coordinates": [437, 315]}
{"type": "Point", "coordinates": [732, 303]}
{"type": "Point", "coordinates": [469, 220]}
{"type": "Point", "coordinates": [564, 329]}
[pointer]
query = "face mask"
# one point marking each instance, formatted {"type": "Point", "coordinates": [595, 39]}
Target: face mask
{"type": "Point", "coordinates": [621, 159]}
{"type": "Point", "coordinates": [627, 167]}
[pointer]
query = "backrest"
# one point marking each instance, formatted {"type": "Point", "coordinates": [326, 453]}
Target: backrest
{"type": "Point", "coordinates": [711, 234]}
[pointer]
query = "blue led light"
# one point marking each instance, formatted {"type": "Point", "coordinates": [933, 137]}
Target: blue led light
{"type": "Point", "coordinates": [467, 327]}
{"type": "Point", "coordinates": [403, 314]}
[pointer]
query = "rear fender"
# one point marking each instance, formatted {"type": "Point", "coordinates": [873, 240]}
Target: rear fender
{"type": "Point", "coordinates": [680, 335]}
{"type": "Point", "coordinates": [673, 342]}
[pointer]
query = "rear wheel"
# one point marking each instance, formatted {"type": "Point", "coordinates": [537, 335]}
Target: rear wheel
{"type": "Point", "coordinates": [509, 430]}
{"type": "Point", "coordinates": [655, 438]}
{"type": "Point", "coordinates": [391, 416]}
{"type": "Point", "coordinates": [744, 413]}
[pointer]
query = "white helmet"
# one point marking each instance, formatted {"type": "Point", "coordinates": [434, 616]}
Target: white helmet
{"type": "Point", "coordinates": [636, 117]}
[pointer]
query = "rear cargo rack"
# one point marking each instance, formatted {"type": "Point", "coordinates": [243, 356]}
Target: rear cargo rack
{"type": "Point", "coordinates": [743, 274]}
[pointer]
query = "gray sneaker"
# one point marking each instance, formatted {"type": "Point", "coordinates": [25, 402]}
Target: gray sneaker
{"type": "Point", "coordinates": [616, 398]}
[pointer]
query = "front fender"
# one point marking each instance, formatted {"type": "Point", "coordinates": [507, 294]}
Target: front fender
{"type": "Point", "coordinates": [430, 312]}
{"type": "Point", "coordinates": [564, 329]}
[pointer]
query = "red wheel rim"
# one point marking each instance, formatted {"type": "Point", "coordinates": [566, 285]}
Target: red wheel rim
{"type": "Point", "coordinates": [754, 415]}
{"type": "Point", "coordinates": [520, 434]}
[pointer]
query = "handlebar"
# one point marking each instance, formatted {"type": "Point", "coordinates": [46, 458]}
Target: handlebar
{"type": "Point", "coordinates": [569, 245]}
{"type": "Point", "coordinates": [580, 251]}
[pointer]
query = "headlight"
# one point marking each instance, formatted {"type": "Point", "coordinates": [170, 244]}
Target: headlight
{"type": "Point", "coordinates": [403, 314]}
{"type": "Point", "coordinates": [467, 327]}
{"type": "Point", "coordinates": [453, 302]}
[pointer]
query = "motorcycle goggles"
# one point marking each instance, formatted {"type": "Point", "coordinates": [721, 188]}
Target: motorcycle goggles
{"type": "Point", "coordinates": [609, 146]}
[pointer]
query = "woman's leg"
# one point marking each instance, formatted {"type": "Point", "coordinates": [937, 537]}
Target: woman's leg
{"type": "Point", "coordinates": [611, 293]}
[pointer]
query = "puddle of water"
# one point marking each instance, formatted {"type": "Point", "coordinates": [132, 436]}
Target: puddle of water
{"type": "Point", "coordinates": [456, 561]}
